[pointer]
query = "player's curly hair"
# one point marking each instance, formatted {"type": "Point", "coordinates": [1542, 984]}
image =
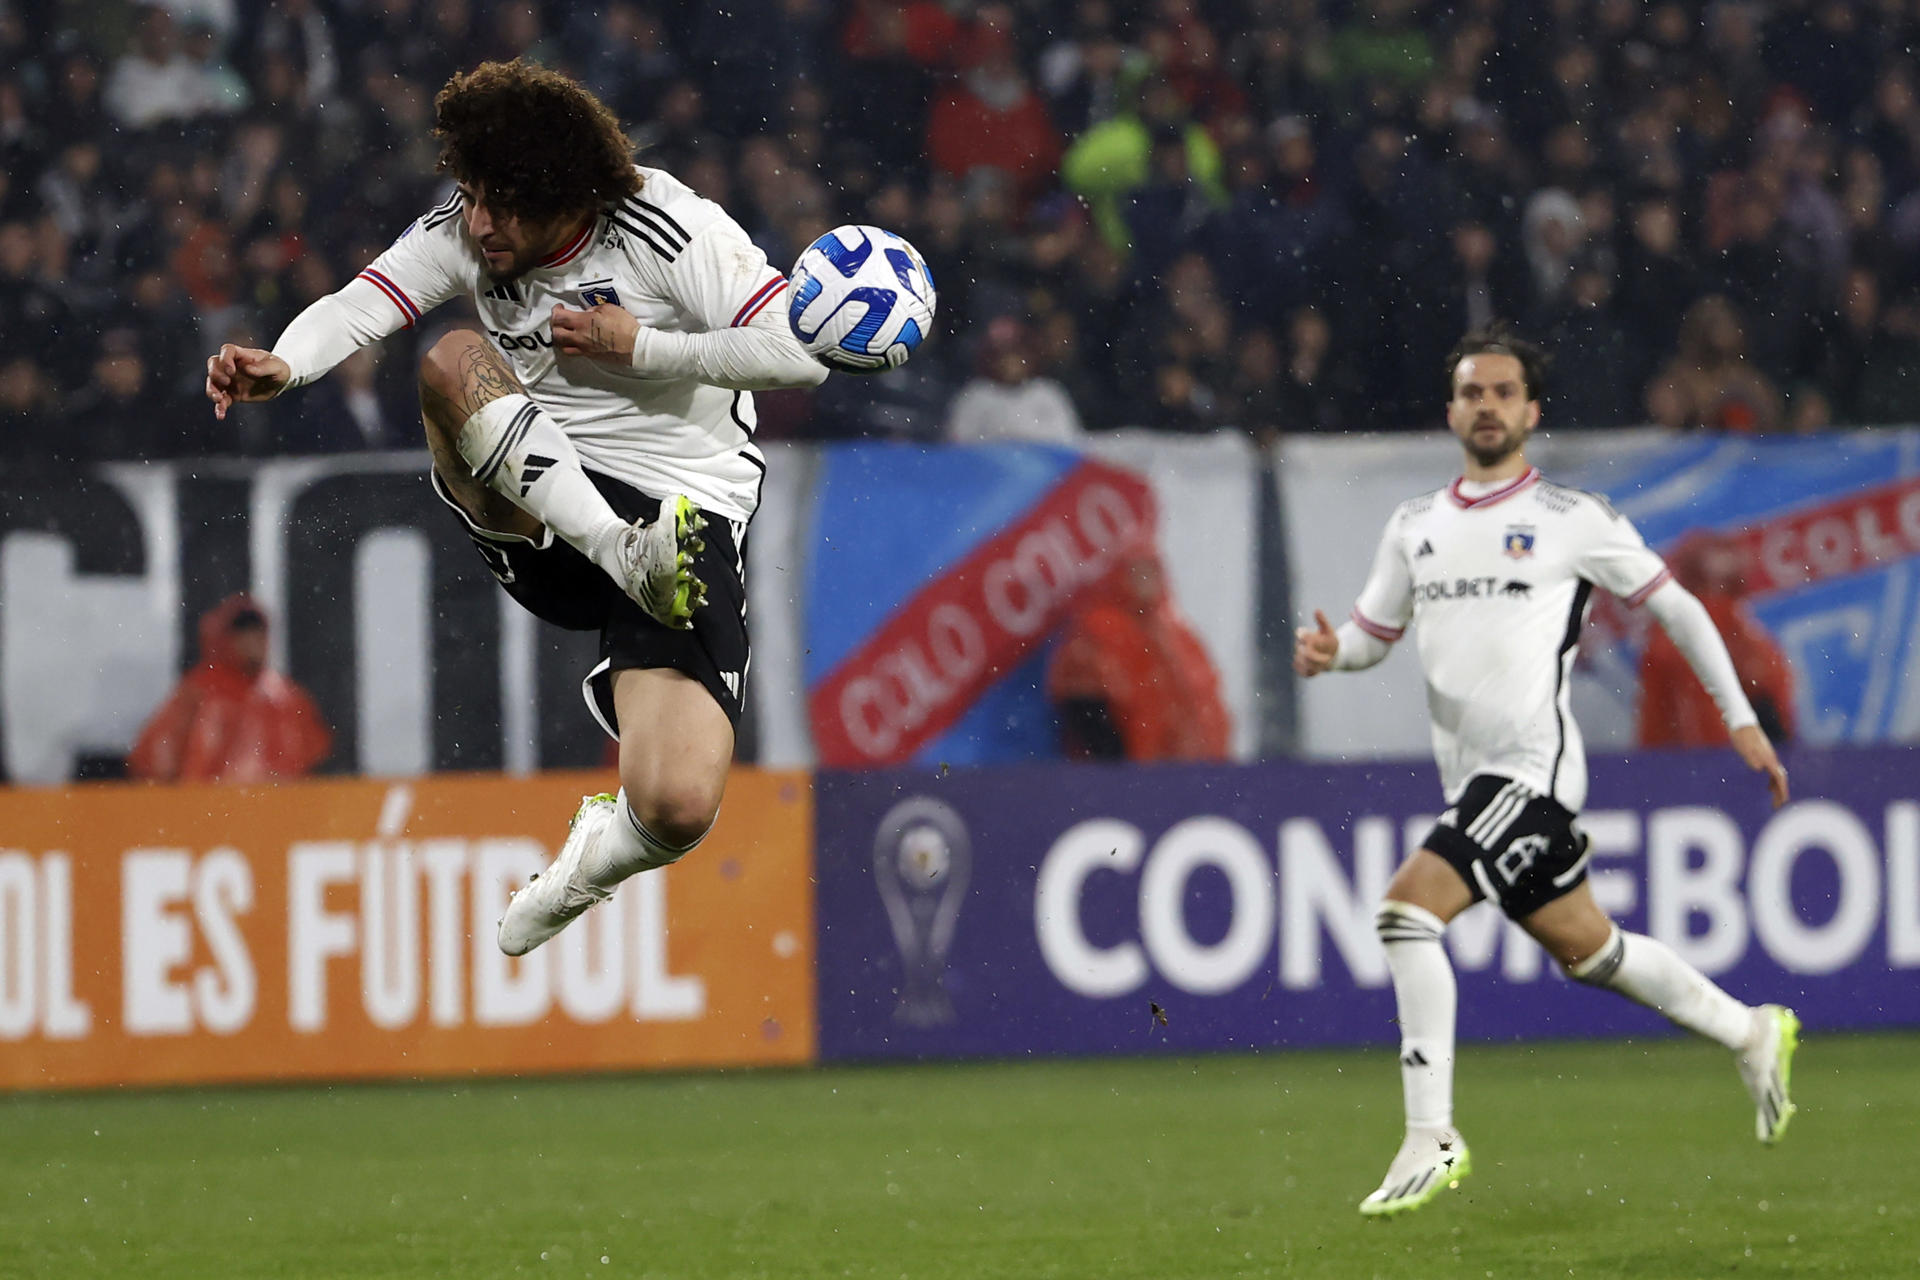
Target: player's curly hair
{"type": "Point", "coordinates": [1499, 338]}
{"type": "Point", "coordinates": [537, 143]}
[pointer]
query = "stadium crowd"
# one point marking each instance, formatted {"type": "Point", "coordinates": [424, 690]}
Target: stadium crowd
{"type": "Point", "coordinates": [1267, 215]}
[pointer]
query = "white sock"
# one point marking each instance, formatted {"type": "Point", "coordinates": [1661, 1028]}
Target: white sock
{"type": "Point", "coordinates": [1647, 971]}
{"type": "Point", "coordinates": [628, 848]}
{"type": "Point", "coordinates": [517, 450]}
{"type": "Point", "coordinates": [1423, 990]}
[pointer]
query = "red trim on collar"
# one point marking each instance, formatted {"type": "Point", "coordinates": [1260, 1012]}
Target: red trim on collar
{"type": "Point", "coordinates": [1520, 482]}
{"type": "Point", "coordinates": [572, 251]}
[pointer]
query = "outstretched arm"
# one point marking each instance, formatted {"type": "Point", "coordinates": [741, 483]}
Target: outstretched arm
{"type": "Point", "coordinates": [423, 268]}
{"type": "Point", "coordinates": [1686, 621]}
{"type": "Point", "coordinates": [755, 356]}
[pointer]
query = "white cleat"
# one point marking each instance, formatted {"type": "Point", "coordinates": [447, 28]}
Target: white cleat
{"type": "Point", "coordinates": [1766, 1068]}
{"type": "Point", "coordinates": [657, 560]}
{"type": "Point", "coordinates": [1429, 1162]}
{"type": "Point", "coordinates": [554, 897]}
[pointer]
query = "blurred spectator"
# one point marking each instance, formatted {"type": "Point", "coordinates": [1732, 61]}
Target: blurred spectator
{"type": "Point", "coordinates": [992, 119]}
{"type": "Point", "coordinates": [1889, 386]}
{"type": "Point", "coordinates": [127, 409]}
{"type": "Point", "coordinates": [1006, 400]}
{"type": "Point", "coordinates": [343, 413]}
{"type": "Point", "coordinates": [1131, 681]}
{"type": "Point", "coordinates": [1709, 382]}
{"type": "Point", "coordinates": [1112, 160]}
{"type": "Point", "coordinates": [1599, 362]}
{"type": "Point", "coordinates": [232, 719]}
{"type": "Point", "coordinates": [157, 81]}
{"type": "Point", "coordinates": [1312, 391]}
{"type": "Point", "coordinates": [1675, 708]}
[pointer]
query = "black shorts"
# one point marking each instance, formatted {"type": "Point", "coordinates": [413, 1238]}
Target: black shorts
{"type": "Point", "coordinates": [1511, 844]}
{"type": "Point", "coordinates": [558, 584]}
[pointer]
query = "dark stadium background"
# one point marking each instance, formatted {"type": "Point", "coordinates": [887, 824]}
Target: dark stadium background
{"type": "Point", "coordinates": [1709, 210]}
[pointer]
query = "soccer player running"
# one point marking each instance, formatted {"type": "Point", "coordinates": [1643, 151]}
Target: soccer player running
{"type": "Point", "coordinates": [596, 443]}
{"type": "Point", "coordinates": [1497, 570]}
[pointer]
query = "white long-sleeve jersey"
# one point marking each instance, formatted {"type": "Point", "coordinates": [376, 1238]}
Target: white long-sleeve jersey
{"type": "Point", "coordinates": [681, 419]}
{"type": "Point", "coordinates": [1497, 586]}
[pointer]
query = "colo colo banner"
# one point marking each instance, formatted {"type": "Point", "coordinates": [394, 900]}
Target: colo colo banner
{"type": "Point", "coordinates": [333, 930]}
{"type": "Point", "coordinates": [1062, 909]}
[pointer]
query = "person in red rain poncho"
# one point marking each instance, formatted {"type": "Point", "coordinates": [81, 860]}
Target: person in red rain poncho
{"type": "Point", "coordinates": [230, 719]}
{"type": "Point", "coordinates": [1130, 678]}
{"type": "Point", "coordinates": [1675, 711]}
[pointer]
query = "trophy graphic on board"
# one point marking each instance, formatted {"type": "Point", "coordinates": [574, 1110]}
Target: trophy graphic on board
{"type": "Point", "coordinates": [922, 858]}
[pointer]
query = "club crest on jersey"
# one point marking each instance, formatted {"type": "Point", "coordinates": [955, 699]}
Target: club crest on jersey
{"type": "Point", "coordinates": [595, 292]}
{"type": "Point", "coordinates": [1519, 541]}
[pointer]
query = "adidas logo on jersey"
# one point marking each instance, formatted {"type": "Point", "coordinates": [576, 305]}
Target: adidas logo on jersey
{"type": "Point", "coordinates": [537, 466]}
{"type": "Point", "coordinates": [1426, 549]}
{"type": "Point", "coordinates": [731, 679]}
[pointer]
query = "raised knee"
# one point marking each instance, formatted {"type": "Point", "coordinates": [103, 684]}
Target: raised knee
{"type": "Point", "coordinates": [676, 815]}
{"type": "Point", "coordinates": [442, 367]}
{"type": "Point", "coordinates": [1404, 922]}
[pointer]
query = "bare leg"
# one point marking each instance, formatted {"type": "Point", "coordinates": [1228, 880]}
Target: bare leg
{"type": "Point", "coordinates": [676, 746]}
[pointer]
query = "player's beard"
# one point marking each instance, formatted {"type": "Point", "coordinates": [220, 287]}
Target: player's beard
{"type": "Point", "coordinates": [1493, 452]}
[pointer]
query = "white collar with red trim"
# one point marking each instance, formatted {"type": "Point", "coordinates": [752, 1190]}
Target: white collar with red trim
{"type": "Point", "coordinates": [572, 249]}
{"type": "Point", "coordinates": [1457, 490]}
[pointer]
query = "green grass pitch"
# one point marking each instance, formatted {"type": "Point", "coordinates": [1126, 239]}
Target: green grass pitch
{"type": "Point", "coordinates": [1591, 1160]}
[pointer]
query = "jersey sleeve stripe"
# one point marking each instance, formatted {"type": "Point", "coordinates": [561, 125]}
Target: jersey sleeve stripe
{"type": "Point", "coordinates": [754, 305]}
{"type": "Point", "coordinates": [1660, 579]}
{"type": "Point", "coordinates": [395, 293]}
{"type": "Point", "coordinates": [1379, 631]}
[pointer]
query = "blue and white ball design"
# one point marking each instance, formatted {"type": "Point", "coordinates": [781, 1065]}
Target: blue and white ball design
{"type": "Point", "coordinates": [862, 301]}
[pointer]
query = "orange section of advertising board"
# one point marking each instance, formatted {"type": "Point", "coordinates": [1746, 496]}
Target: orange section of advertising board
{"type": "Point", "coordinates": [345, 929]}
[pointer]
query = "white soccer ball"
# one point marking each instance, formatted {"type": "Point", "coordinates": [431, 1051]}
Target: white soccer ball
{"type": "Point", "coordinates": [863, 300]}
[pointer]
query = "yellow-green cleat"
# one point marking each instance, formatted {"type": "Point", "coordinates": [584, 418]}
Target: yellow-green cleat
{"type": "Point", "coordinates": [1766, 1068]}
{"type": "Point", "coordinates": [658, 562]}
{"type": "Point", "coordinates": [1429, 1161]}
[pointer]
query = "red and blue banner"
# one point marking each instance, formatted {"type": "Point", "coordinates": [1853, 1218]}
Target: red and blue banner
{"type": "Point", "coordinates": [936, 581]}
{"type": "Point", "coordinates": [1827, 534]}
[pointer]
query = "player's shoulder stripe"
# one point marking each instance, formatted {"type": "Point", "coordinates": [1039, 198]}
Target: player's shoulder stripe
{"type": "Point", "coordinates": [648, 209]}
{"type": "Point", "coordinates": [1562, 499]}
{"type": "Point", "coordinates": [664, 229]}
{"type": "Point", "coordinates": [644, 232]}
{"type": "Point", "coordinates": [1418, 505]}
{"type": "Point", "coordinates": [444, 211]}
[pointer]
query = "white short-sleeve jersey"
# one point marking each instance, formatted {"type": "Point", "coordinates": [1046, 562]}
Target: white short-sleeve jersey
{"type": "Point", "coordinates": [672, 258]}
{"type": "Point", "coordinates": [1496, 587]}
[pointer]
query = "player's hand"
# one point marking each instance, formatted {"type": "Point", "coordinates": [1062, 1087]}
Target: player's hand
{"type": "Point", "coordinates": [244, 375]}
{"type": "Point", "coordinates": [1751, 742]}
{"type": "Point", "coordinates": [1314, 649]}
{"type": "Point", "coordinates": [604, 333]}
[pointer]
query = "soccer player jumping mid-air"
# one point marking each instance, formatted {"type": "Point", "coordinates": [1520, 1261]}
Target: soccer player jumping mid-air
{"type": "Point", "coordinates": [1496, 571]}
{"type": "Point", "coordinates": [596, 442]}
